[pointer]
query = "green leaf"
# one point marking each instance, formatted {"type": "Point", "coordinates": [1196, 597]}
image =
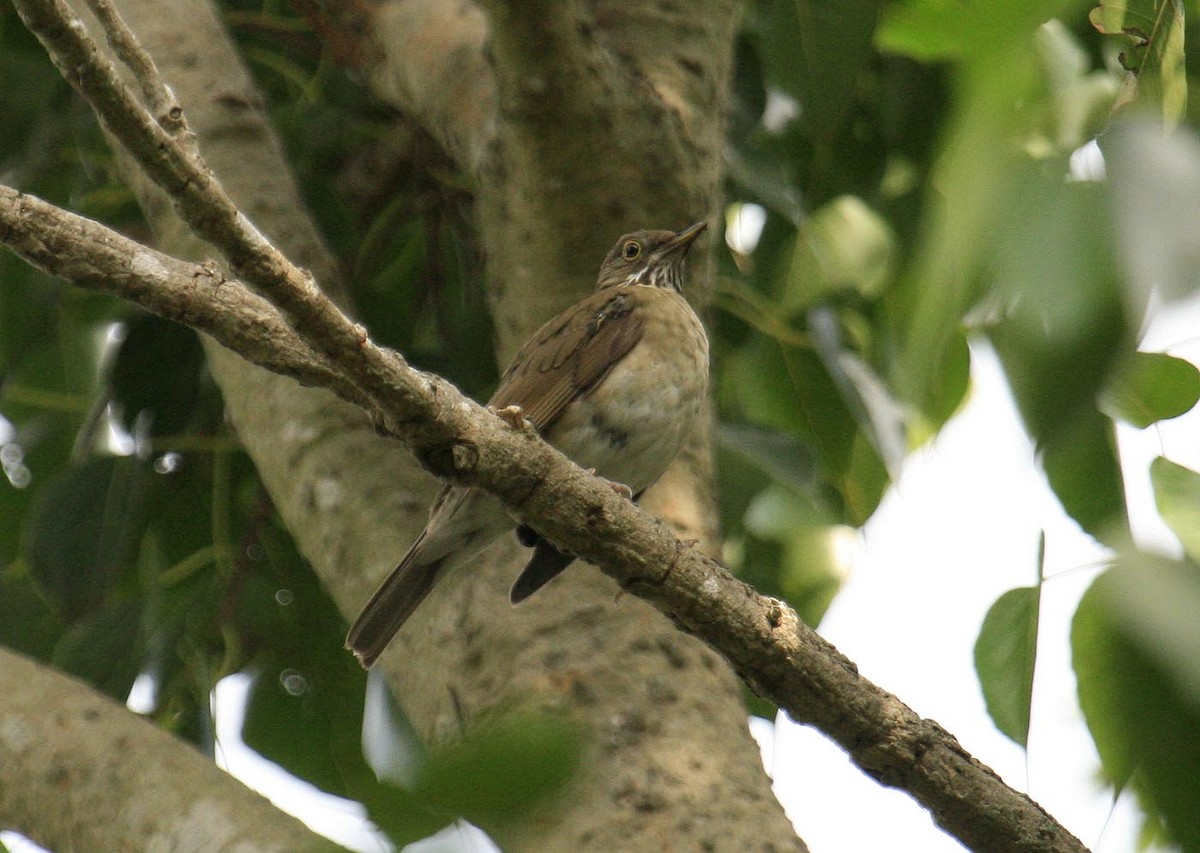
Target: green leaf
{"type": "Point", "coordinates": [1080, 98]}
{"type": "Point", "coordinates": [1064, 330]}
{"type": "Point", "coordinates": [1084, 472]}
{"type": "Point", "coordinates": [305, 705]}
{"type": "Point", "coordinates": [781, 456]}
{"type": "Point", "coordinates": [1067, 325]}
{"type": "Point", "coordinates": [495, 774]}
{"type": "Point", "coordinates": [404, 815]}
{"type": "Point", "coordinates": [1133, 642]}
{"type": "Point", "coordinates": [82, 532]}
{"type": "Point", "coordinates": [758, 706]}
{"type": "Point", "coordinates": [949, 385]}
{"type": "Point", "coordinates": [924, 30]}
{"type": "Point", "coordinates": [789, 389]}
{"type": "Point", "coordinates": [1177, 495]}
{"type": "Point", "coordinates": [937, 30]}
{"type": "Point", "coordinates": [845, 246]}
{"type": "Point", "coordinates": [1152, 387]}
{"type": "Point", "coordinates": [1155, 601]}
{"type": "Point", "coordinates": [816, 52]}
{"type": "Point", "coordinates": [1099, 657]}
{"type": "Point", "coordinates": [104, 648]}
{"type": "Point", "coordinates": [1154, 30]}
{"type": "Point", "coordinates": [812, 560]}
{"type": "Point", "coordinates": [880, 417]}
{"type": "Point", "coordinates": [502, 769]}
{"type": "Point", "coordinates": [1005, 656]}
{"type": "Point", "coordinates": [295, 717]}
{"type": "Point", "coordinates": [1154, 178]}
{"type": "Point", "coordinates": [977, 174]}
{"type": "Point", "coordinates": [27, 624]}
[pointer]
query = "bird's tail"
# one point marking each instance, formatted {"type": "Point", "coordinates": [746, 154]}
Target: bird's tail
{"type": "Point", "coordinates": [391, 605]}
{"type": "Point", "coordinates": [545, 565]}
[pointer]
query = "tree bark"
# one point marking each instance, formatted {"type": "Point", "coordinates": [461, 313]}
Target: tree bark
{"type": "Point", "coordinates": [105, 779]}
{"type": "Point", "coordinates": [670, 763]}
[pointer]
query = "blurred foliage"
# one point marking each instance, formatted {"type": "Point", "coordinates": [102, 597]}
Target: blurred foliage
{"type": "Point", "coordinates": [900, 177]}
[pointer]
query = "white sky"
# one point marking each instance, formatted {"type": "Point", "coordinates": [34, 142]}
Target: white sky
{"type": "Point", "coordinates": [959, 528]}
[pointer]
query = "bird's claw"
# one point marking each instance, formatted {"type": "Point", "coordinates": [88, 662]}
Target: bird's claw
{"type": "Point", "coordinates": [620, 488]}
{"type": "Point", "coordinates": [514, 416]}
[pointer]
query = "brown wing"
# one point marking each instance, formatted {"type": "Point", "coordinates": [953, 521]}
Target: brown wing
{"type": "Point", "coordinates": [568, 356]}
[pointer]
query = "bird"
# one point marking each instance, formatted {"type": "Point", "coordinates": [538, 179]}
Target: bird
{"type": "Point", "coordinates": [616, 383]}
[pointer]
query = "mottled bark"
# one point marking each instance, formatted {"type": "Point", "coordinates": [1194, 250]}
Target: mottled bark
{"type": "Point", "coordinates": [105, 779]}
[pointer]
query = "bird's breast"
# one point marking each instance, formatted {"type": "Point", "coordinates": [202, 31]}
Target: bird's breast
{"type": "Point", "coordinates": [632, 424]}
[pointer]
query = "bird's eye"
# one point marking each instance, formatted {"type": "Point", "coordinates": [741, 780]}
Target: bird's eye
{"type": "Point", "coordinates": [631, 250]}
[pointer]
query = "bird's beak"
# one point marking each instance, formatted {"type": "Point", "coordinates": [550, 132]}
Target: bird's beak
{"type": "Point", "coordinates": [682, 241]}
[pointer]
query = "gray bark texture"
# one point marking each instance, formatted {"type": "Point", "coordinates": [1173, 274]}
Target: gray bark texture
{"type": "Point", "coordinates": [105, 779]}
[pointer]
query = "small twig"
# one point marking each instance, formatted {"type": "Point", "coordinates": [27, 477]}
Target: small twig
{"type": "Point", "coordinates": [129, 50]}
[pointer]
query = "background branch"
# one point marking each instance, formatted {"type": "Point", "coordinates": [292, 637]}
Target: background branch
{"type": "Point", "coordinates": [169, 794]}
{"type": "Point", "coordinates": [427, 58]}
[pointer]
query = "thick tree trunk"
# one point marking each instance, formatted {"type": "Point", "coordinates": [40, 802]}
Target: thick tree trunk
{"type": "Point", "coordinates": [106, 779]}
{"type": "Point", "coordinates": [589, 120]}
{"type": "Point", "coordinates": [670, 763]}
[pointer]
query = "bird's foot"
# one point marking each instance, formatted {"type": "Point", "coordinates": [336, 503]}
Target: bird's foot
{"type": "Point", "coordinates": [620, 488]}
{"type": "Point", "coordinates": [514, 416]}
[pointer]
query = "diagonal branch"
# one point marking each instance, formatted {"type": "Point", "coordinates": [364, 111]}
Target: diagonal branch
{"type": "Point", "coordinates": [155, 91]}
{"type": "Point", "coordinates": [770, 648]}
{"type": "Point", "coordinates": [763, 639]}
{"type": "Point", "coordinates": [97, 258]}
{"type": "Point", "coordinates": [199, 198]}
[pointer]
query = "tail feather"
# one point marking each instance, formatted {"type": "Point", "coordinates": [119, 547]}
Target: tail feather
{"type": "Point", "coordinates": [545, 565]}
{"type": "Point", "coordinates": [391, 605]}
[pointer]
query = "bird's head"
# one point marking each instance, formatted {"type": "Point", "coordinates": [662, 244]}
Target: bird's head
{"type": "Point", "coordinates": [651, 258]}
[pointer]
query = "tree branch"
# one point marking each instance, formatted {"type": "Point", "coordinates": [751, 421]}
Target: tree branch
{"type": "Point", "coordinates": [428, 55]}
{"type": "Point", "coordinates": [100, 753]}
{"type": "Point", "coordinates": [97, 258]}
{"type": "Point", "coordinates": [765, 641]}
{"type": "Point", "coordinates": [455, 438]}
{"type": "Point", "coordinates": [176, 166]}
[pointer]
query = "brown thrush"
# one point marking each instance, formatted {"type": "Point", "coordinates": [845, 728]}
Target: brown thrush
{"type": "Point", "coordinates": [615, 382]}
